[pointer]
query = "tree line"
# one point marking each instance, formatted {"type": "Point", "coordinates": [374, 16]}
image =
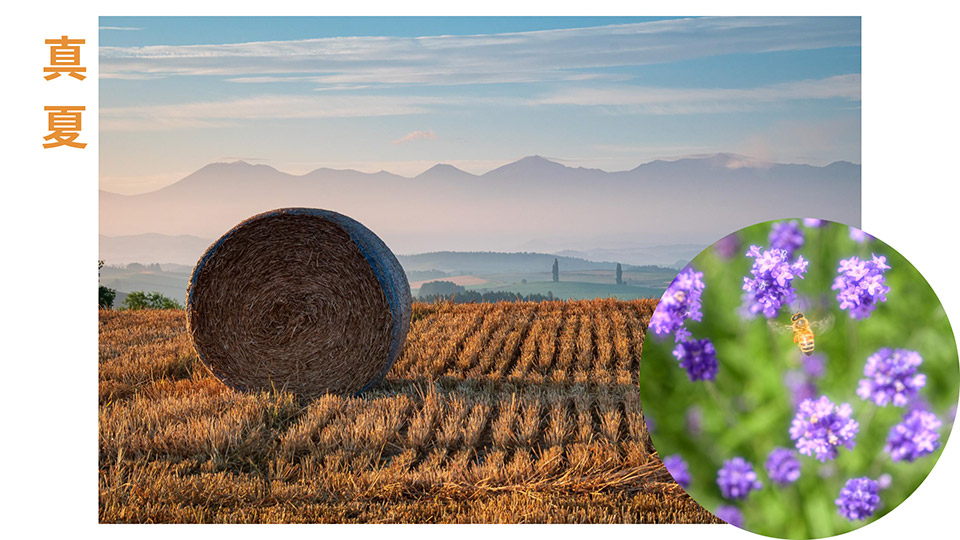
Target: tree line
{"type": "Point", "coordinates": [136, 299]}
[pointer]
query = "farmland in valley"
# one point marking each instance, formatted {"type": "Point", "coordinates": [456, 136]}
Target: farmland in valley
{"type": "Point", "coordinates": [506, 412]}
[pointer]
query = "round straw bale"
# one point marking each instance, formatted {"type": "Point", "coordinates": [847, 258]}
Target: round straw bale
{"type": "Point", "coordinates": [299, 299]}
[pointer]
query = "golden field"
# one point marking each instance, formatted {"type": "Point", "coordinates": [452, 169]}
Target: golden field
{"type": "Point", "coordinates": [494, 413]}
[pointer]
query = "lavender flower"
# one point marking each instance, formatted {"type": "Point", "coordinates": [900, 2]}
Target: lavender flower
{"type": "Point", "coordinates": [737, 479]}
{"type": "Point", "coordinates": [820, 427]}
{"type": "Point", "coordinates": [786, 235]}
{"type": "Point", "coordinates": [730, 514]}
{"type": "Point", "coordinates": [814, 365]}
{"type": "Point", "coordinates": [678, 469]}
{"type": "Point", "coordinates": [915, 437]}
{"type": "Point", "coordinates": [861, 285]}
{"type": "Point", "coordinates": [884, 481]}
{"type": "Point", "coordinates": [698, 357]}
{"type": "Point", "coordinates": [813, 223]}
{"type": "Point", "coordinates": [680, 302]}
{"type": "Point", "coordinates": [771, 286]}
{"type": "Point", "coordinates": [651, 424]}
{"type": "Point", "coordinates": [858, 499]}
{"type": "Point", "coordinates": [782, 466]}
{"type": "Point", "coordinates": [859, 236]}
{"type": "Point", "coordinates": [694, 419]}
{"type": "Point", "coordinates": [801, 388]}
{"type": "Point", "coordinates": [918, 403]}
{"type": "Point", "coordinates": [892, 377]}
{"type": "Point", "coordinates": [728, 246]}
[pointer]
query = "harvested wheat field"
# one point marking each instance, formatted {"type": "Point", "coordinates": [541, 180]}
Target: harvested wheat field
{"type": "Point", "coordinates": [509, 412]}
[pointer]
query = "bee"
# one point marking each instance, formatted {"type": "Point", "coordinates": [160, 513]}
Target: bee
{"type": "Point", "coordinates": [802, 329]}
{"type": "Point", "coordinates": [802, 334]}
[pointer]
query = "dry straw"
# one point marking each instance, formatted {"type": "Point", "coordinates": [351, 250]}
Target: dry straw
{"type": "Point", "coordinates": [299, 299]}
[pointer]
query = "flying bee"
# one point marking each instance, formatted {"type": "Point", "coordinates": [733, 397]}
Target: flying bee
{"type": "Point", "coordinates": [802, 329]}
{"type": "Point", "coordinates": [802, 334]}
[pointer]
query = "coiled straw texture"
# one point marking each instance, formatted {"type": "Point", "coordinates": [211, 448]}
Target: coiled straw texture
{"type": "Point", "coordinates": [299, 299]}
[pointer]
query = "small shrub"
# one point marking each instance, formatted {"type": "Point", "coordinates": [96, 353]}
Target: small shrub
{"type": "Point", "coordinates": [151, 300]}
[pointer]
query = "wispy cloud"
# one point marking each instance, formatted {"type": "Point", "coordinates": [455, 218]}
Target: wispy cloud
{"type": "Point", "coordinates": [209, 114]}
{"type": "Point", "coordinates": [550, 55]}
{"type": "Point", "coordinates": [653, 100]}
{"type": "Point", "coordinates": [123, 28]}
{"type": "Point", "coordinates": [623, 99]}
{"type": "Point", "coordinates": [243, 158]}
{"type": "Point", "coordinates": [416, 136]}
{"type": "Point", "coordinates": [130, 76]}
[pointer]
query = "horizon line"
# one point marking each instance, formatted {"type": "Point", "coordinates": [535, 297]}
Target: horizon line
{"type": "Point", "coordinates": [558, 161]}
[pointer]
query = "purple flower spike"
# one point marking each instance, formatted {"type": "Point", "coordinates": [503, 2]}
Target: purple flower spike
{"type": "Point", "coordinates": [860, 285]}
{"type": "Point", "coordinates": [858, 499]}
{"type": "Point", "coordinates": [699, 358]}
{"type": "Point", "coordinates": [730, 514]}
{"type": "Point", "coordinates": [884, 481]}
{"type": "Point", "coordinates": [651, 424]}
{"type": "Point", "coordinates": [814, 365]}
{"type": "Point", "coordinates": [820, 427]}
{"type": "Point", "coordinates": [737, 479]}
{"type": "Point", "coordinates": [800, 387]}
{"type": "Point", "coordinates": [859, 236]}
{"type": "Point", "coordinates": [786, 235]}
{"type": "Point", "coordinates": [918, 403]}
{"type": "Point", "coordinates": [891, 376]}
{"type": "Point", "coordinates": [694, 419]}
{"type": "Point", "coordinates": [782, 466]}
{"type": "Point", "coordinates": [728, 246]}
{"type": "Point", "coordinates": [813, 223]}
{"type": "Point", "coordinates": [771, 284]}
{"type": "Point", "coordinates": [915, 437]}
{"type": "Point", "coordinates": [680, 302]}
{"type": "Point", "coordinates": [678, 469]}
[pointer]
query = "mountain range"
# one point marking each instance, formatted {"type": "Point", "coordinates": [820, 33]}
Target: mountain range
{"type": "Point", "coordinates": [533, 204]}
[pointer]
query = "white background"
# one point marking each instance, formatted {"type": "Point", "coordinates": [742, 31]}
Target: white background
{"type": "Point", "coordinates": [49, 198]}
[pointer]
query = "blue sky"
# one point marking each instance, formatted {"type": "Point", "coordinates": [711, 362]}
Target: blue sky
{"type": "Point", "coordinates": [402, 94]}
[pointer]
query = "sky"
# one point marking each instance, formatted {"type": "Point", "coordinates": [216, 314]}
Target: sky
{"type": "Point", "coordinates": [403, 94]}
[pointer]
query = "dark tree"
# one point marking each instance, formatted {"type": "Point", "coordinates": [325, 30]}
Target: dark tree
{"type": "Point", "coordinates": [619, 274]}
{"type": "Point", "coordinates": [441, 288]}
{"type": "Point", "coordinates": [151, 300]}
{"type": "Point", "coordinates": [107, 295]}
{"type": "Point", "coordinates": [556, 270]}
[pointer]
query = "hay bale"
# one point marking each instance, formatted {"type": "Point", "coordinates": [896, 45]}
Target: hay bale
{"type": "Point", "coordinates": [300, 299]}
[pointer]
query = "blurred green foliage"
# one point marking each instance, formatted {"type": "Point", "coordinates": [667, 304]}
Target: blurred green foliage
{"type": "Point", "coordinates": [149, 300]}
{"type": "Point", "coordinates": [747, 411]}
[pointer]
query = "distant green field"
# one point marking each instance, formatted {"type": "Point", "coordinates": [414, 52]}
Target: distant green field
{"type": "Point", "coordinates": [576, 290]}
{"type": "Point", "coordinates": [655, 280]}
{"type": "Point", "coordinates": [170, 284]}
{"type": "Point", "coordinates": [585, 284]}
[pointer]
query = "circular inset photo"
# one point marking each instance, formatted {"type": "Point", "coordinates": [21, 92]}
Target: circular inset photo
{"type": "Point", "coordinates": [801, 378]}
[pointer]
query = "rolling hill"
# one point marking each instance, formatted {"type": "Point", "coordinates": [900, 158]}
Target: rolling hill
{"type": "Point", "coordinates": [531, 202]}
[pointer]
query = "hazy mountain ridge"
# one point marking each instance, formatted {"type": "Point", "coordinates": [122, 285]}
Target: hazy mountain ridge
{"type": "Point", "coordinates": [186, 250]}
{"type": "Point", "coordinates": [152, 248]}
{"type": "Point", "coordinates": [690, 200]}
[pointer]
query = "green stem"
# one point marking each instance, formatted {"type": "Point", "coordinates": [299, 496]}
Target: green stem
{"type": "Point", "coordinates": [722, 404]}
{"type": "Point", "coordinates": [863, 431]}
{"type": "Point", "coordinates": [851, 337]}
